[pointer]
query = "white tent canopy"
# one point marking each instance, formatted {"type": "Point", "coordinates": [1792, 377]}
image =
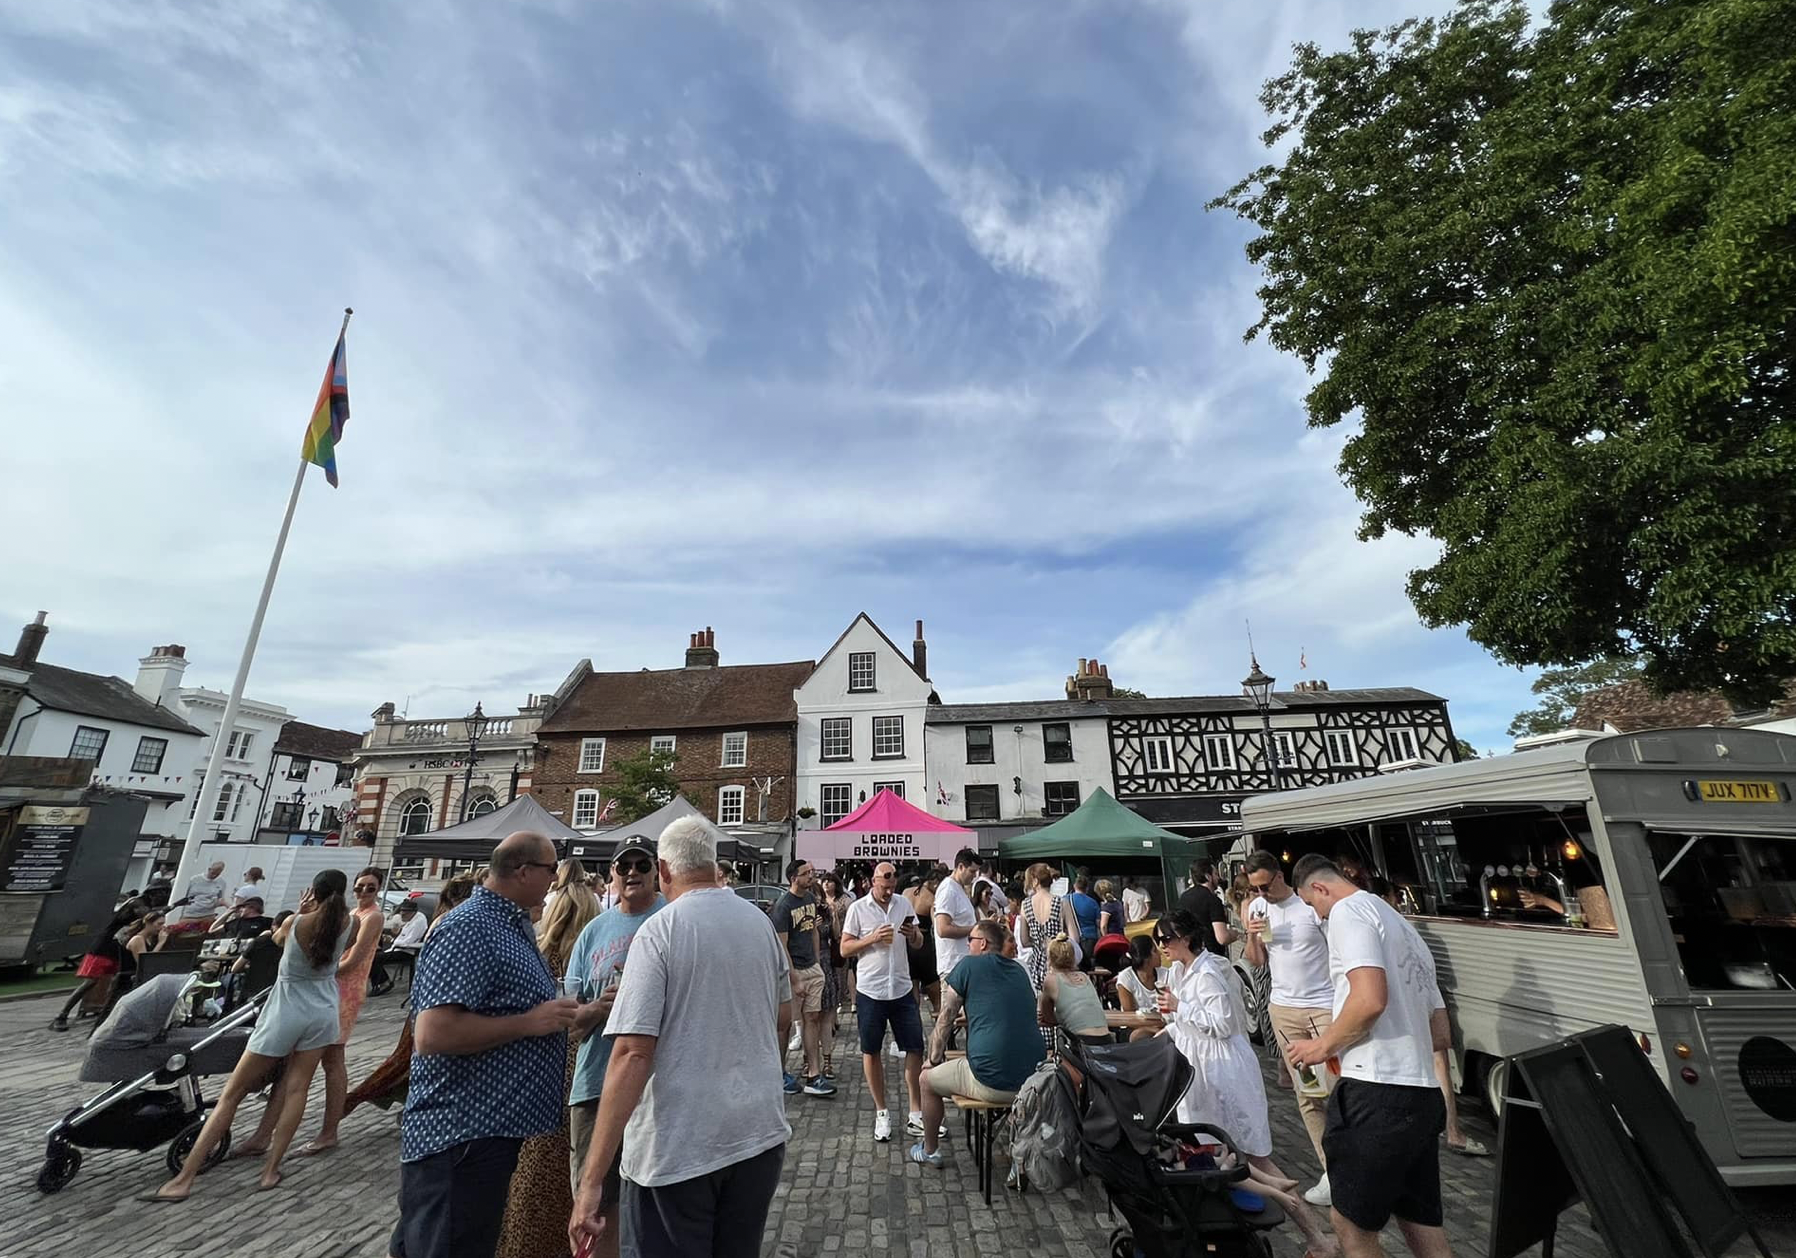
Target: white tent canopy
{"type": "Point", "coordinates": [475, 838]}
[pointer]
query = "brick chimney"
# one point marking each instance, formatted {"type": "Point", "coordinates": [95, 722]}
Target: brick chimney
{"type": "Point", "coordinates": [919, 653]}
{"type": "Point", "coordinates": [701, 650]}
{"type": "Point", "coordinates": [31, 641]}
{"type": "Point", "coordinates": [159, 674]}
{"type": "Point", "coordinates": [1091, 681]}
{"type": "Point", "coordinates": [1306, 687]}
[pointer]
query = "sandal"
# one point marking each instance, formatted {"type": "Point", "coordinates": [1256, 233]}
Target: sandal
{"type": "Point", "coordinates": [1470, 1148]}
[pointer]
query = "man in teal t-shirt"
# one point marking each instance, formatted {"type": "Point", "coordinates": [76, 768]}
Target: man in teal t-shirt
{"type": "Point", "coordinates": [598, 963]}
{"type": "Point", "coordinates": [1003, 1041]}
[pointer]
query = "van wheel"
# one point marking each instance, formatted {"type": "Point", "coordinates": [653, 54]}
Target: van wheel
{"type": "Point", "coordinates": [1496, 1080]}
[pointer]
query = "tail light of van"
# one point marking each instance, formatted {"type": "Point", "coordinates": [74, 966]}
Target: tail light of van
{"type": "Point", "coordinates": [1646, 1043]}
{"type": "Point", "coordinates": [1688, 1074]}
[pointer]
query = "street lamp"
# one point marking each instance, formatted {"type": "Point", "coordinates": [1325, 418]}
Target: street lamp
{"type": "Point", "coordinates": [1258, 687]}
{"type": "Point", "coordinates": [475, 722]}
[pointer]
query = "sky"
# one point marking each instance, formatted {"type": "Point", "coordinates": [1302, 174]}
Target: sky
{"type": "Point", "coordinates": [753, 314]}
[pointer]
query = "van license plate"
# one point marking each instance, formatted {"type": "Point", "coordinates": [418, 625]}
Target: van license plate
{"type": "Point", "coordinates": [1714, 792]}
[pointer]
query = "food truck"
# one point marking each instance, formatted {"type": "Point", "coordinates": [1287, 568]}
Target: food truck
{"type": "Point", "coordinates": [1646, 880]}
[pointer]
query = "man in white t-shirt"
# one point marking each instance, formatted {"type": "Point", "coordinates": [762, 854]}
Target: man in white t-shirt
{"type": "Point", "coordinates": [201, 902]}
{"type": "Point", "coordinates": [1284, 934]}
{"type": "Point", "coordinates": [876, 929]}
{"type": "Point", "coordinates": [1385, 1115]}
{"type": "Point", "coordinates": [1135, 901]}
{"type": "Point", "coordinates": [954, 915]}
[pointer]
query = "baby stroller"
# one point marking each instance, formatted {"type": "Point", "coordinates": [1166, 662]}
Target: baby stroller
{"type": "Point", "coordinates": [154, 1065]}
{"type": "Point", "coordinates": [1166, 1179]}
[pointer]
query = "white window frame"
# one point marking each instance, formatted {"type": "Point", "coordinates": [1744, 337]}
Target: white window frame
{"type": "Point", "coordinates": [872, 677]}
{"type": "Point", "coordinates": [1223, 744]}
{"type": "Point", "coordinates": [823, 793]}
{"type": "Point", "coordinates": [585, 815]}
{"type": "Point", "coordinates": [588, 763]}
{"type": "Point", "coordinates": [1339, 741]}
{"type": "Point", "coordinates": [1163, 744]}
{"type": "Point", "coordinates": [480, 797]}
{"type": "Point", "coordinates": [897, 788]}
{"type": "Point", "coordinates": [238, 745]}
{"type": "Point", "coordinates": [1396, 735]}
{"type": "Point", "coordinates": [407, 807]}
{"type": "Point", "coordinates": [303, 767]}
{"type": "Point", "coordinates": [1284, 747]}
{"type": "Point", "coordinates": [726, 795]}
{"type": "Point", "coordinates": [230, 798]}
{"type": "Point", "coordinates": [740, 759]}
{"type": "Point", "coordinates": [829, 722]}
{"type": "Point", "coordinates": [664, 742]}
{"type": "Point", "coordinates": [888, 755]}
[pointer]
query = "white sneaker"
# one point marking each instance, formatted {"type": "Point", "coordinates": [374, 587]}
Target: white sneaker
{"type": "Point", "coordinates": [882, 1126]}
{"type": "Point", "coordinates": [796, 1042]}
{"type": "Point", "coordinates": [895, 1050]}
{"type": "Point", "coordinates": [1319, 1195]}
{"type": "Point", "coordinates": [914, 1124]}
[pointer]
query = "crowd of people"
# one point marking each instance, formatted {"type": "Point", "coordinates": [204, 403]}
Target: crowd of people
{"type": "Point", "coordinates": [603, 1068]}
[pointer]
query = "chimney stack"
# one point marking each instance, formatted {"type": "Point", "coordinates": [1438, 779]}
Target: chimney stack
{"type": "Point", "coordinates": [31, 641]}
{"type": "Point", "coordinates": [1090, 682]}
{"type": "Point", "coordinates": [701, 649]}
{"type": "Point", "coordinates": [919, 654]}
{"type": "Point", "coordinates": [159, 674]}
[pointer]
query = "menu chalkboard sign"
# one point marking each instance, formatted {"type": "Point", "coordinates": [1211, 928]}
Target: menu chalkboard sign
{"type": "Point", "coordinates": [37, 855]}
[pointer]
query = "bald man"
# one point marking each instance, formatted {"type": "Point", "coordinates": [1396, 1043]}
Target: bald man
{"type": "Point", "coordinates": [490, 1051]}
{"type": "Point", "coordinates": [870, 931]}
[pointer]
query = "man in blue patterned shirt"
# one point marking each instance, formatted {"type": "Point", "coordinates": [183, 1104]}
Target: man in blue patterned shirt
{"type": "Point", "coordinates": [489, 1053]}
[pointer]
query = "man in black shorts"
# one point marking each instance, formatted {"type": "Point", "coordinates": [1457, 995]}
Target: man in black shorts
{"type": "Point", "coordinates": [1386, 1114]}
{"type": "Point", "coordinates": [871, 933]}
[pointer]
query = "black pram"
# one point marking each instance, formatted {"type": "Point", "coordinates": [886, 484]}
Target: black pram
{"type": "Point", "coordinates": [1164, 1178]}
{"type": "Point", "coordinates": [154, 1066]}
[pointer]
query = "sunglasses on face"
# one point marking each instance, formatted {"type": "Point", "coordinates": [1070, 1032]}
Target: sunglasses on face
{"type": "Point", "coordinates": [639, 866]}
{"type": "Point", "coordinates": [366, 888]}
{"type": "Point", "coordinates": [548, 865]}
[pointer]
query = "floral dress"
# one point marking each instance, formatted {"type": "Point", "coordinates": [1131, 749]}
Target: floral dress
{"type": "Point", "coordinates": [541, 1200]}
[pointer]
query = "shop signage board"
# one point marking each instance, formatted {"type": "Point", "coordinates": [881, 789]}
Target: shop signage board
{"type": "Point", "coordinates": [37, 856]}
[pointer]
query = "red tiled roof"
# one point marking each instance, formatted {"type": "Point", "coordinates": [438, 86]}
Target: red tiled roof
{"type": "Point", "coordinates": [1631, 706]}
{"type": "Point", "coordinates": [681, 698]}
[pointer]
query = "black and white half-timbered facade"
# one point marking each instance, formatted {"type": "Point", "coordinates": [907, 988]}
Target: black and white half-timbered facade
{"type": "Point", "coordinates": [1187, 764]}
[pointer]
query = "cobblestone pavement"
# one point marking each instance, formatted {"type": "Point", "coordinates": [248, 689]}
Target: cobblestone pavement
{"type": "Point", "coordinates": [841, 1195]}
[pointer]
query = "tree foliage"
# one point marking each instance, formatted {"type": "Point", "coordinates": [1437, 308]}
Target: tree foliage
{"type": "Point", "coordinates": [647, 783]}
{"type": "Point", "coordinates": [1465, 749]}
{"type": "Point", "coordinates": [1552, 272]}
{"type": "Point", "coordinates": [1561, 688]}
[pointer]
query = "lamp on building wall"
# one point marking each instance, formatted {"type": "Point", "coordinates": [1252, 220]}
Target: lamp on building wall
{"type": "Point", "coordinates": [475, 723]}
{"type": "Point", "coordinates": [1258, 687]}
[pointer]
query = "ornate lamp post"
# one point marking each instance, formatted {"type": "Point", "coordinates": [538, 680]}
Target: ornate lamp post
{"type": "Point", "coordinates": [475, 722]}
{"type": "Point", "coordinates": [1258, 687]}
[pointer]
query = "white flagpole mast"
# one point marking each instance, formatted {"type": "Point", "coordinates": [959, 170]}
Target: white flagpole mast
{"type": "Point", "coordinates": [213, 781]}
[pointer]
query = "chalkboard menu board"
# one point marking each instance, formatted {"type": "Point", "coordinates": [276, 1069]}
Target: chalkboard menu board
{"type": "Point", "coordinates": [37, 855]}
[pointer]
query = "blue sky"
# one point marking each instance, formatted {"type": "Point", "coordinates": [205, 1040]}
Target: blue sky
{"type": "Point", "coordinates": [744, 314]}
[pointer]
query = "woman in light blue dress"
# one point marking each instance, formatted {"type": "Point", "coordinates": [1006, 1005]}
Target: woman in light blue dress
{"type": "Point", "coordinates": [298, 1023]}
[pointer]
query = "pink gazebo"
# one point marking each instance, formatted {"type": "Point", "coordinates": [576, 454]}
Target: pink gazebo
{"type": "Point", "coordinates": [885, 828]}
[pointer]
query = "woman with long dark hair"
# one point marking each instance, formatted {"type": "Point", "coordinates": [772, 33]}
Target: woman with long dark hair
{"type": "Point", "coordinates": [298, 1023]}
{"type": "Point", "coordinates": [106, 959]}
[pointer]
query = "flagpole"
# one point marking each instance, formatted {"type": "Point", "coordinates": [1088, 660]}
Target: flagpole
{"type": "Point", "coordinates": [211, 783]}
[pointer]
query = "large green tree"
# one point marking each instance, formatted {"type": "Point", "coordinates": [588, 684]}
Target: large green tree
{"type": "Point", "coordinates": [1550, 270]}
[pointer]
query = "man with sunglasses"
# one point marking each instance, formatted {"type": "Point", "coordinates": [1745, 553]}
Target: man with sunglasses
{"type": "Point", "coordinates": [883, 998]}
{"type": "Point", "coordinates": [597, 964]}
{"type": "Point", "coordinates": [488, 1061]}
{"type": "Point", "coordinates": [1285, 935]}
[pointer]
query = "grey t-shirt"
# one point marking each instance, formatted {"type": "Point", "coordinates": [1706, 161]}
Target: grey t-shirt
{"type": "Point", "coordinates": [203, 895]}
{"type": "Point", "coordinates": [795, 917]}
{"type": "Point", "coordinates": [706, 978]}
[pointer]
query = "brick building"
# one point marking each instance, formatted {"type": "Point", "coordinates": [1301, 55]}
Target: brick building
{"type": "Point", "coordinates": [1629, 706]}
{"type": "Point", "coordinates": [731, 728]}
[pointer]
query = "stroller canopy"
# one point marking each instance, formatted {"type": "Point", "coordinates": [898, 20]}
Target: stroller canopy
{"type": "Point", "coordinates": [1130, 1090]}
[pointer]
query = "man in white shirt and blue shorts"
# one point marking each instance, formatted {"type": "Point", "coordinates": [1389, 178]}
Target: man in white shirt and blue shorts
{"type": "Point", "coordinates": [1385, 1115]}
{"type": "Point", "coordinates": [871, 931]}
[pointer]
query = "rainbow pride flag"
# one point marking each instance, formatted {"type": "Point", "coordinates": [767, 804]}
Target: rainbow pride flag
{"type": "Point", "coordinates": [329, 415]}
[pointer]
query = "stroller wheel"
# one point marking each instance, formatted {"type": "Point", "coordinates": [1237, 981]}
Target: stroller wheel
{"type": "Point", "coordinates": [186, 1138]}
{"type": "Point", "coordinates": [1122, 1244]}
{"type": "Point", "coordinates": [60, 1165]}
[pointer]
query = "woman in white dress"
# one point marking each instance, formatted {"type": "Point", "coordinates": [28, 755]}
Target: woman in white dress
{"type": "Point", "coordinates": [1207, 1018]}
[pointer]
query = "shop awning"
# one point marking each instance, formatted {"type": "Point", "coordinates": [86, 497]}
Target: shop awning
{"type": "Point", "coordinates": [885, 828]}
{"type": "Point", "coordinates": [600, 846]}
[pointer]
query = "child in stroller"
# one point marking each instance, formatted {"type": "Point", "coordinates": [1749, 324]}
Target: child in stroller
{"type": "Point", "coordinates": [1185, 1190]}
{"type": "Point", "coordinates": [155, 1067]}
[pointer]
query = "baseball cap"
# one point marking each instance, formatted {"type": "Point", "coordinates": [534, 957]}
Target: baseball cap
{"type": "Point", "coordinates": [635, 843]}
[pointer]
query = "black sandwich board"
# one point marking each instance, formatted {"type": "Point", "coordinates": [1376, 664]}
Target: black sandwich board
{"type": "Point", "coordinates": [1589, 1118]}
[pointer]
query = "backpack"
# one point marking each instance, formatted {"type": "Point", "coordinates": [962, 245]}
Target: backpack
{"type": "Point", "coordinates": [1044, 1130]}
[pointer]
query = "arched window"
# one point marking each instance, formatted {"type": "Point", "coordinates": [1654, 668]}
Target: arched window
{"type": "Point", "coordinates": [481, 803]}
{"type": "Point", "coordinates": [414, 816]}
